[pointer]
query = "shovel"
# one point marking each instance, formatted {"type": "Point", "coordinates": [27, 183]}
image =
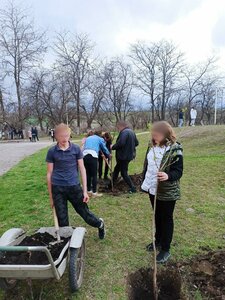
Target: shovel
{"type": "Point", "coordinates": [56, 228]}
{"type": "Point", "coordinates": [110, 168]}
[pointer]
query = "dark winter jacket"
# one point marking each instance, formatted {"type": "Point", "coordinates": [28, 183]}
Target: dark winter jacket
{"type": "Point", "coordinates": [172, 164]}
{"type": "Point", "coordinates": [125, 145]}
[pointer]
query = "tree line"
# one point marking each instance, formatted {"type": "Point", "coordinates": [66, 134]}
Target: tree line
{"type": "Point", "coordinates": [152, 82]}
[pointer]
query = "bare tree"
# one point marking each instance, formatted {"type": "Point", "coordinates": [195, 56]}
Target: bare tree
{"type": "Point", "coordinates": [158, 66]}
{"type": "Point", "coordinates": [194, 76]}
{"type": "Point", "coordinates": [170, 64]}
{"type": "Point", "coordinates": [21, 46]}
{"type": "Point", "coordinates": [74, 54]}
{"type": "Point", "coordinates": [144, 58]}
{"type": "Point", "coordinates": [96, 95]}
{"type": "Point", "coordinates": [206, 99]}
{"type": "Point", "coordinates": [34, 93]}
{"type": "Point", "coordinates": [2, 107]}
{"type": "Point", "coordinates": [119, 78]}
{"type": "Point", "coordinates": [57, 99]}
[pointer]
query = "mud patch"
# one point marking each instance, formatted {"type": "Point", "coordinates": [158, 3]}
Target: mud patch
{"type": "Point", "coordinates": [34, 258]}
{"type": "Point", "coordinates": [120, 187]}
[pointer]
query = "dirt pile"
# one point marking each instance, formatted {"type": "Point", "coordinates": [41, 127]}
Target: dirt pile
{"type": "Point", "coordinates": [34, 258]}
{"type": "Point", "coordinates": [206, 273]}
{"type": "Point", "coordinates": [120, 187]}
{"type": "Point", "coordinates": [203, 273]}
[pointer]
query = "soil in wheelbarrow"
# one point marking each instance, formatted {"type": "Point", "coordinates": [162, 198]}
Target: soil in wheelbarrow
{"type": "Point", "coordinates": [204, 274]}
{"type": "Point", "coordinates": [120, 187]}
{"type": "Point", "coordinates": [35, 258]}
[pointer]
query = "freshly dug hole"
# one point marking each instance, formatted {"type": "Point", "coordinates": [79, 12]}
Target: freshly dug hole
{"type": "Point", "coordinates": [140, 284]}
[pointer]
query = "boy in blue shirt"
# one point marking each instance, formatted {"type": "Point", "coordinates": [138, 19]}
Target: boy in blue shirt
{"type": "Point", "coordinates": [63, 161]}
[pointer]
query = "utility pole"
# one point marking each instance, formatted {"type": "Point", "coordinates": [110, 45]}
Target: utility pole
{"type": "Point", "coordinates": [215, 112]}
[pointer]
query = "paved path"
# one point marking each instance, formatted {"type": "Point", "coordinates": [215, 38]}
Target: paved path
{"type": "Point", "coordinates": [12, 153]}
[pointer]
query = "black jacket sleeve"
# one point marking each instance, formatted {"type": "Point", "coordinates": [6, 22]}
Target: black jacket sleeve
{"type": "Point", "coordinates": [136, 141]}
{"type": "Point", "coordinates": [121, 141]}
{"type": "Point", "coordinates": [176, 169]}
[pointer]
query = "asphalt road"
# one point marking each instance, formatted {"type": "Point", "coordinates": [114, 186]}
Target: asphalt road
{"type": "Point", "coordinates": [11, 153]}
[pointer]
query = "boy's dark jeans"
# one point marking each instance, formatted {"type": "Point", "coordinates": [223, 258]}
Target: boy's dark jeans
{"type": "Point", "coordinates": [91, 166]}
{"type": "Point", "coordinates": [164, 222]}
{"type": "Point", "coordinates": [122, 167]}
{"type": "Point", "coordinates": [61, 195]}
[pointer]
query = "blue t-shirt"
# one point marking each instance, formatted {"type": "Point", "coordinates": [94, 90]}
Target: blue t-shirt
{"type": "Point", "coordinates": [65, 169]}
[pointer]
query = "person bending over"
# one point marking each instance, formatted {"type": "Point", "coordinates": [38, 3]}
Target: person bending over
{"type": "Point", "coordinates": [91, 149]}
{"type": "Point", "coordinates": [63, 162]}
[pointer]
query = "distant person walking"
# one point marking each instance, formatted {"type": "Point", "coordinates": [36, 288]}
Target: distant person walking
{"type": "Point", "coordinates": [29, 135]}
{"type": "Point", "coordinates": [53, 135]}
{"type": "Point", "coordinates": [36, 133]}
{"type": "Point", "coordinates": [181, 118]}
{"type": "Point", "coordinates": [125, 148]}
{"type": "Point", "coordinates": [33, 134]}
{"type": "Point", "coordinates": [193, 115]}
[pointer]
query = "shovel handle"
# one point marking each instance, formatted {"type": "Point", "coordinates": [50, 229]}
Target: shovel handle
{"type": "Point", "coordinates": [56, 222]}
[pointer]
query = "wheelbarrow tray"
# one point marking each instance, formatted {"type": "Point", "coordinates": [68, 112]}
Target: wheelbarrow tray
{"type": "Point", "coordinates": [54, 269]}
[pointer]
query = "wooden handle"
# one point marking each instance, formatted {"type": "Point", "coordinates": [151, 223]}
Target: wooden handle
{"type": "Point", "coordinates": [56, 222]}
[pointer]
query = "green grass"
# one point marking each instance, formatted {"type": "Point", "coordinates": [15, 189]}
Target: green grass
{"type": "Point", "coordinates": [24, 203]}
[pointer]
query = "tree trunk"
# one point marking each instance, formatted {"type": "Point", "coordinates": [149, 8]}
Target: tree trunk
{"type": "Point", "coordinates": [19, 103]}
{"type": "Point", "coordinates": [78, 113]}
{"type": "Point", "coordinates": [2, 107]}
{"type": "Point", "coordinates": [89, 122]}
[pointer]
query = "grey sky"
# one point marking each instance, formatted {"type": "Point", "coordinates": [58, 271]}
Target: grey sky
{"type": "Point", "coordinates": [196, 26]}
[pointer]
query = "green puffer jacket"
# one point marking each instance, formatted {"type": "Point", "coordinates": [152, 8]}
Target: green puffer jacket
{"type": "Point", "coordinates": [172, 164]}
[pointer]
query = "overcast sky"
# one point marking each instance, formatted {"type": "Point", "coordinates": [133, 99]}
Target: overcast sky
{"type": "Point", "coordinates": [196, 26]}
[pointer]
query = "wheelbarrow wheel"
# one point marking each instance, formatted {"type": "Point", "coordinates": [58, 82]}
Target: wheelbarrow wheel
{"type": "Point", "coordinates": [76, 267]}
{"type": "Point", "coordinates": [7, 284]}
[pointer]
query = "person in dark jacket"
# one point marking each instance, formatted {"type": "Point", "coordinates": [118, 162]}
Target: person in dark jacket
{"type": "Point", "coordinates": [36, 133]}
{"type": "Point", "coordinates": [33, 132]}
{"type": "Point", "coordinates": [181, 118]}
{"type": "Point", "coordinates": [125, 148]}
{"type": "Point", "coordinates": [164, 168]}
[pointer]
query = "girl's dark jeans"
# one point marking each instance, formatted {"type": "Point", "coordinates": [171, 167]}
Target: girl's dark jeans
{"type": "Point", "coordinates": [91, 166]}
{"type": "Point", "coordinates": [100, 167]}
{"type": "Point", "coordinates": [164, 222]}
{"type": "Point", "coordinates": [61, 195]}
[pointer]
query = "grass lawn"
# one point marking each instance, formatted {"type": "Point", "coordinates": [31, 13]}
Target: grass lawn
{"type": "Point", "coordinates": [24, 203]}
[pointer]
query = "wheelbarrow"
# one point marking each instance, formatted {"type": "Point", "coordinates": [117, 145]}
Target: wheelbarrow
{"type": "Point", "coordinates": [73, 255]}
